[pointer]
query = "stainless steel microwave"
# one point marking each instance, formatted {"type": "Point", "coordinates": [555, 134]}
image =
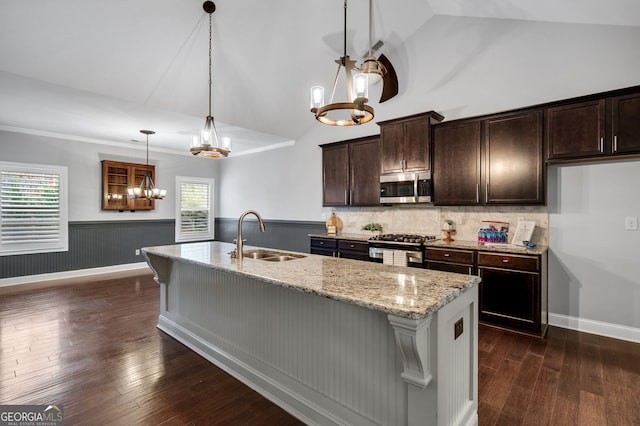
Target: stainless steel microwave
{"type": "Point", "coordinates": [405, 188]}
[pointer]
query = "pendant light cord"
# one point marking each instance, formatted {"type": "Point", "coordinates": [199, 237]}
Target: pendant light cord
{"type": "Point", "coordinates": [210, 66]}
{"type": "Point", "coordinates": [345, 33]}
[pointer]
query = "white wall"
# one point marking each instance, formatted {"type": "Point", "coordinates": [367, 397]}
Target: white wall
{"type": "Point", "coordinates": [85, 173]}
{"type": "Point", "coordinates": [594, 263]}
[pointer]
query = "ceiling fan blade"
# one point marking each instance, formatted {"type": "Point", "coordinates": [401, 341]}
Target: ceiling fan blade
{"type": "Point", "coordinates": [389, 79]}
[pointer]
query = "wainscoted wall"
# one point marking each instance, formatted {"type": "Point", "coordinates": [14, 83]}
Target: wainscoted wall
{"type": "Point", "coordinates": [279, 234]}
{"type": "Point", "coordinates": [93, 245]}
{"type": "Point", "coordinates": [428, 220]}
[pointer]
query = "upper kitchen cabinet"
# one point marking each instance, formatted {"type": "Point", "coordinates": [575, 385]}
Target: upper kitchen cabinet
{"type": "Point", "coordinates": [513, 159]}
{"type": "Point", "coordinates": [594, 128]}
{"type": "Point", "coordinates": [117, 177]}
{"type": "Point", "coordinates": [491, 160]}
{"type": "Point", "coordinates": [456, 163]}
{"type": "Point", "coordinates": [404, 143]}
{"type": "Point", "coordinates": [576, 130]}
{"type": "Point", "coordinates": [350, 173]}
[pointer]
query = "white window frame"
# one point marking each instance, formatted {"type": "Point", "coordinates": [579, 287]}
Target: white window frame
{"type": "Point", "coordinates": [179, 237]}
{"type": "Point", "coordinates": [62, 243]}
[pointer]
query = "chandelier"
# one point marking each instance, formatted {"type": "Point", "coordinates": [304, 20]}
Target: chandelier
{"type": "Point", "coordinates": [355, 110]}
{"type": "Point", "coordinates": [147, 190]}
{"type": "Point", "coordinates": [208, 144]}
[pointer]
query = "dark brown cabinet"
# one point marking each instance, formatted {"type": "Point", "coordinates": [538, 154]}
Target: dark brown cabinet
{"type": "Point", "coordinates": [456, 164]}
{"type": "Point", "coordinates": [450, 260]}
{"type": "Point", "coordinates": [594, 128]}
{"type": "Point", "coordinates": [514, 159]}
{"type": "Point", "coordinates": [513, 291]}
{"type": "Point", "coordinates": [576, 130]}
{"type": "Point", "coordinates": [350, 174]}
{"type": "Point", "coordinates": [496, 160]}
{"type": "Point", "coordinates": [324, 246]}
{"type": "Point", "coordinates": [339, 247]}
{"type": "Point", "coordinates": [117, 177]}
{"type": "Point", "coordinates": [405, 143]}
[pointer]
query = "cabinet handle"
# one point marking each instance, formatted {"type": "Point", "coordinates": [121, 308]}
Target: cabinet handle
{"type": "Point", "coordinates": [477, 193]}
{"type": "Point", "coordinates": [346, 201]}
{"type": "Point", "coordinates": [352, 246]}
{"type": "Point", "coordinates": [615, 143]}
{"type": "Point", "coordinates": [350, 197]}
{"type": "Point", "coordinates": [601, 144]}
{"type": "Point", "coordinates": [505, 260]}
{"type": "Point", "coordinates": [447, 255]}
{"type": "Point", "coordinates": [469, 270]}
{"type": "Point", "coordinates": [486, 193]}
{"type": "Point", "coordinates": [321, 243]}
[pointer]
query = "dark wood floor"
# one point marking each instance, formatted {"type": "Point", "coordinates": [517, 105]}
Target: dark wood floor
{"type": "Point", "coordinates": [92, 346]}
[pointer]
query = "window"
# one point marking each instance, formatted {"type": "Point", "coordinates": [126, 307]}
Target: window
{"type": "Point", "coordinates": [33, 208]}
{"type": "Point", "coordinates": [194, 210]}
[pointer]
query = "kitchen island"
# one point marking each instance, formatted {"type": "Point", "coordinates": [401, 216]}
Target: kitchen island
{"type": "Point", "coordinates": [332, 341]}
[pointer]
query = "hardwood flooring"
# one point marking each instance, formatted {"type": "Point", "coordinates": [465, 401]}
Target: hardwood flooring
{"type": "Point", "coordinates": [91, 344]}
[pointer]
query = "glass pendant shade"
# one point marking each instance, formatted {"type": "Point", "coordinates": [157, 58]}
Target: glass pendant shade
{"type": "Point", "coordinates": [316, 97]}
{"type": "Point", "coordinates": [361, 86]}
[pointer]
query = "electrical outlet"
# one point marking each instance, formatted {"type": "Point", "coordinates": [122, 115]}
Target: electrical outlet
{"type": "Point", "coordinates": [458, 328]}
{"type": "Point", "coordinates": [137, 252]}
{"type": "Point", "coordinates": [631, 223]}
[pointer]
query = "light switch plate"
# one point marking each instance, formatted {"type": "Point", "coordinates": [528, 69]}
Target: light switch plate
{"type": "Point", "coordinates": [631, 223]}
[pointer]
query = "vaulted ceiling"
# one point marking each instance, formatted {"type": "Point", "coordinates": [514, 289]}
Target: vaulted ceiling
{"type": "Point", "coordinates": [98, 71]}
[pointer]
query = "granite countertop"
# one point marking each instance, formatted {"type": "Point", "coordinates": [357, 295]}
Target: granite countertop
{"type": "Point", "coordinates": [340, 236]}
{"type": "Point", "coordinates": [499, 248]}
{"type": "Point", "coordinates": [407, 292]}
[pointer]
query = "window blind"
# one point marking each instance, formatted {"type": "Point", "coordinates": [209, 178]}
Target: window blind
{"type": "Point", "coordinates": [32, 212]}
{"type": "Point", "coordinates": [195, 210]}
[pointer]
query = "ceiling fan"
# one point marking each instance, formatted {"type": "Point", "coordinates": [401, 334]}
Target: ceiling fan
{"type": "Point", "coordinates": [381, 67]}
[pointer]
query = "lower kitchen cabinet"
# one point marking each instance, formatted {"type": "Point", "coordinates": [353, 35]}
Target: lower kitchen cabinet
{"type": "Point", "coordinates": [513, 291]}
{"type": "Point", "coordinates": [352, 249]}
{"type": "Point", "coordinates": [324, 246]}
{"type": "Point", "coordinates": [450, 260]}
{"type": "Point", "coordinates": [340, 247]}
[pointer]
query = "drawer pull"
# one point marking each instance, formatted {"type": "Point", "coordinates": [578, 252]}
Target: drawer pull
{"type": "Point", "coordinates": [505, 260]}
{"type": "Point", "coordinates": [447, 255]}
{"type": "Point", "coordinates": [321, 243]}
{"type": "Point", "coordinates": [352, 246]}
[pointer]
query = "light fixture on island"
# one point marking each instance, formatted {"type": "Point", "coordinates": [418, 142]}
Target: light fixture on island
{"type": "Point", "coordinates": [147, 189]}
{"type": "Point", "coordinates": [208, 144]}
{"type": "Point", "coordinates": [355, 110]}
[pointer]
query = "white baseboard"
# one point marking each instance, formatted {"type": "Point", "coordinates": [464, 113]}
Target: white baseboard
{"type": "Point", "coordinates": [595, 327]}
{"type": "Point", "coordinates": [27, 279]}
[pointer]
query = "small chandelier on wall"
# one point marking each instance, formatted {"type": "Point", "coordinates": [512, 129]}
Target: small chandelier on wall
{"type": "Point", "coordinates": [208, 144]}
{"type": "Point", "coordinates": [147, 189]}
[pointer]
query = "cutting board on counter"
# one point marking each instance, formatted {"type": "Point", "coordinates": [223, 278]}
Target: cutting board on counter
{"type": "Point", "coordinates": [334, 224]}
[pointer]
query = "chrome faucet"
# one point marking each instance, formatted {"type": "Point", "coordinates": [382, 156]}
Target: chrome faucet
{"type": "Point", "coordinates": [239, 242]}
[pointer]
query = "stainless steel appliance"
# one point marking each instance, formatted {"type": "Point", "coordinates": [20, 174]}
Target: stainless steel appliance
{"type": "Point", "coordinates": [405, 188]}
{"type": "Point", "coordinates": [398, 249]}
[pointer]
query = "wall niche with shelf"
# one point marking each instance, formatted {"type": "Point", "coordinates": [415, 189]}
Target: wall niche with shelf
{"type": "Point", "coordinates": [117, 177]}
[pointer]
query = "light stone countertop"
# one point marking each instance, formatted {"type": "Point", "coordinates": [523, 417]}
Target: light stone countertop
{"type": "Point", "coordinates": [341, 236]}
{"type": "Point", "coordinates": [498, 248]}
{"type": "Point", "coordinates": [407, 292]}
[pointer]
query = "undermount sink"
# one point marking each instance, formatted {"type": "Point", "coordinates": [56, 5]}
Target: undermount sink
{"type": "Point", "coordinates": [271, 256]}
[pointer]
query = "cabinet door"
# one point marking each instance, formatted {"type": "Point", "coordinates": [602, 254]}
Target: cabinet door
{"type": "Point", "coordinates": [456, 164]}
{"type": "Point", "coordinates": [391, 148]}
{"type": "Point", "coordinates": [625, 127]}
{"type": "Point", "coordinates": [510, 298]}
{"type": "Point", "coordinates": [576, 130]}
{"type": "Point", "coordinates": [365, 173]}
{"type": "Point", "coordinates": [513, 158]}
{"type": "Point", "coordinates": [416, 144]}
{"type": "Point", "coordinates": [115, 181]}
{"type": "Point", "coordinates": [335, 175]}
{"type": "Point", "coordinates": [137, 173]}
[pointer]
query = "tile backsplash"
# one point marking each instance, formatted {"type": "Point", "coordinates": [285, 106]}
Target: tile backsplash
{"type": "Point", "coordinates": [429, 220]}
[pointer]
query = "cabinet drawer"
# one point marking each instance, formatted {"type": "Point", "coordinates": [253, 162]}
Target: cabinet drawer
{"type": "Point", "coordinates": [447, 255]}
{"type": "Point", "coordinates": [449, 267]}
{"type": "Point", "coordinates": [327, 243]}
{"type": "Point", "coordinates": [509, 261]}
{"type": "Point", "coordinates": [360, 246]}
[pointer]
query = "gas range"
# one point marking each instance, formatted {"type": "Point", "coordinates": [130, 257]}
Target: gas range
{"type": "Point", "coordinates": [401, 239]}
{"type": "Point", "coordinates": [398, 249]}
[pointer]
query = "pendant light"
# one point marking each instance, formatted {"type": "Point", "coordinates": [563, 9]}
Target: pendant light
{"type": "Point", "coordinates": [208, 144]}
{"type": "Point", "coordinates": [147, 190]}
{"type": "Point", "coordinates": [355, 110]}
